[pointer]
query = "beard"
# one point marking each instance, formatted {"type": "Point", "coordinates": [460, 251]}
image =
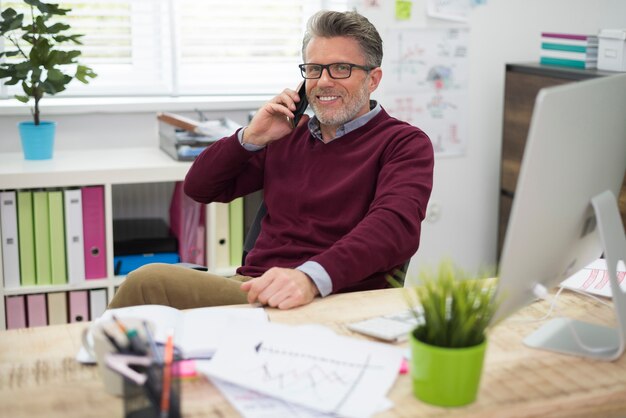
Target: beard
{"type": "Point", "coordinates": [353, 103]}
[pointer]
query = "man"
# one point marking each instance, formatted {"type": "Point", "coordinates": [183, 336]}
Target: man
{"type": "Point", "coordinates": [345, 191]}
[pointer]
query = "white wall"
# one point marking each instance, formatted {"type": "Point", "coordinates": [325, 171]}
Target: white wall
{"type": "Point", "coordinates": [466, 188]}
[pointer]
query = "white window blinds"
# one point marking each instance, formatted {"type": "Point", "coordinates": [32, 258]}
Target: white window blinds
{"type": "Point", "coordinates": [188, 47]}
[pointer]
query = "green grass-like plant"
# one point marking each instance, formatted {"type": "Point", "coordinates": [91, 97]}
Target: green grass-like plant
{"type": "Point", "coordinates": [36, 60]}
{"type": "Point", "coordinates": [457, 306]}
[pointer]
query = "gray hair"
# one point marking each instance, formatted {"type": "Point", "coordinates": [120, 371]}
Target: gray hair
{"type": "Point", "coordinates": [328, 24]}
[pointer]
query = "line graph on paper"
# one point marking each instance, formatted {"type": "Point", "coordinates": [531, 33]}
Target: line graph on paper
{"type": "Point", "coordinates": [295, 373]}
{"type": "Point", "coordinates": [307, 366]}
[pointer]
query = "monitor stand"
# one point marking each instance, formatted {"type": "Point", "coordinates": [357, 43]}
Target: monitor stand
{"type": "Point", "coordinates": [598, 342]}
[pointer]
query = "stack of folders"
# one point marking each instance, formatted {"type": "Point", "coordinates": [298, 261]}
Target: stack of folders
{"type": "Point", "coordinates": [52, 236]}
{"type": "Point", "coordinates": [41, 309]}
{"type": "Point", "coordinates": [184, 138]}
{"type": "Point", "coordinates": [569, 50]}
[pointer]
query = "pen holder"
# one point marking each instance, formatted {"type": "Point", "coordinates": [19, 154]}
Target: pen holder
{"type": "Point", "coordinates": [144, 401]}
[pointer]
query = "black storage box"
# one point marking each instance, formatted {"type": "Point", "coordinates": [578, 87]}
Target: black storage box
{"type": "Point", "coordinates": [142, 236]}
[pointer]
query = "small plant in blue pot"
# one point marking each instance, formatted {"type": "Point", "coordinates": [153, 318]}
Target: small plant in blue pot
{"type": "Point", "coordinates": [33, 57]}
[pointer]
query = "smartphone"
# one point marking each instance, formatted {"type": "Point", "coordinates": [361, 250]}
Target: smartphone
{"type": "Point", "coordinates": [301, 105]}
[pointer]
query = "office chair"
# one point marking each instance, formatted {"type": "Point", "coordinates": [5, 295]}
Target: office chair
{"type": "Point", "coordinates": [254, 231]}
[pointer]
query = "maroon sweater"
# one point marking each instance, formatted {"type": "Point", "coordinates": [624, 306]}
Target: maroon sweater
{"type": "Point", "coordinates": [354, 205]}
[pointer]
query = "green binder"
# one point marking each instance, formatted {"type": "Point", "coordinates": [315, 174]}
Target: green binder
{"type": "Point", "coordinates": [42, 237]}
{"type": "Point", "coordinates": [57, 237]}
{"type": "Point", "coordinates": [235, 209]}
{"type": "Point", "coordinates": [26, 237]}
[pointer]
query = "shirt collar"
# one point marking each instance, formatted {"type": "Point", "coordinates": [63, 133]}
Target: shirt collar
{"type": "Point", "coordinates": [314, 123]}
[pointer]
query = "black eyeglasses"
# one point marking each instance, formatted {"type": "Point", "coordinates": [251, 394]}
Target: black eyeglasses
{"type": "Point", "coordinates": [337, 70]}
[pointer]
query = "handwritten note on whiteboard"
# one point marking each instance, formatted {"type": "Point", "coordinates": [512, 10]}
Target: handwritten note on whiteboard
{"type": "Point", "coordinates": [455, 10]}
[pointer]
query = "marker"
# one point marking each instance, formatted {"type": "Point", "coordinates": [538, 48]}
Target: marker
{"type": "Point", "coordinates": [167, 375]}
{"type": "Point", "coordinates": [135, 343]}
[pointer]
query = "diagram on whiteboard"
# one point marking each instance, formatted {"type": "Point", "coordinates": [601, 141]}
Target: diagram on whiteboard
{"type": "Point", "coordinates": [426, 84]}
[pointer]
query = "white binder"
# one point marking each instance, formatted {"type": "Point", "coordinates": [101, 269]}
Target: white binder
{"type": "Point", "coordinates": [74, 235]}
{"type": "Point", "coordinates": [10, 243]}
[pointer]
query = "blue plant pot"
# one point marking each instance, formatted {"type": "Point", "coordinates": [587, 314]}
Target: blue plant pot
{"type": "Point", "coordinates": [37, 140]}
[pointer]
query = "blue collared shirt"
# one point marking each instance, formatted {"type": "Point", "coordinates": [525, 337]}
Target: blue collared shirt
{"type": "Point", "coordinates": [313, 269]}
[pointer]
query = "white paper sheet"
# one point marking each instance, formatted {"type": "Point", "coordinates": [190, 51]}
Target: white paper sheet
{"type": "Point", "coordinates": [308, 367]}
{"type": "Point", "coordinates": [594, 279]}
{"type": "Point", "coordinates": [251, 404]}
{"type": "Point", "coordinates": [196, 331]}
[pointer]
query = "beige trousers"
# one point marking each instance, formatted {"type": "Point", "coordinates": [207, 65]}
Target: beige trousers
{"type": "Point", "coordinates": [179, 287]}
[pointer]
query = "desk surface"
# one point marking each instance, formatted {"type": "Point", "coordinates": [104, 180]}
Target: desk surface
{"type": "Point", "coordinates": [39, 376]}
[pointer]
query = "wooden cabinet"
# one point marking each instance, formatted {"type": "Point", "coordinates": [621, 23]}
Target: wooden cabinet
{"type": "Point", "coordinates": [522, 83]}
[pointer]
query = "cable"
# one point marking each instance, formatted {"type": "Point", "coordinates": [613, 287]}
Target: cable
{"type": "Point", "coordinates": [582, 292]}
{"type": "Point", "coordinates": [548, 314]}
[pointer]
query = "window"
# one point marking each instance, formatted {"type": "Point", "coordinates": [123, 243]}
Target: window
{"type": "Point", "coordinates": [187, 47]}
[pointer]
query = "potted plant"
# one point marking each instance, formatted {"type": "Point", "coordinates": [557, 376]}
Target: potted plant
{"type": "Point", "coordinates": [33, 57]}
{"type": "Point", "coordinates": [448, 346]}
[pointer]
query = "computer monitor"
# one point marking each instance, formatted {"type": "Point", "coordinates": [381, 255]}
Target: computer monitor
{"type": "Point", "coordinates": [564, 212]}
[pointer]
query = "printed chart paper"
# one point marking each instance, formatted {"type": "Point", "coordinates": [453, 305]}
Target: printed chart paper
{"type": "Point", "coordinates": [318, 370]}
{"type": "Point", "coordinates": [594, 279]}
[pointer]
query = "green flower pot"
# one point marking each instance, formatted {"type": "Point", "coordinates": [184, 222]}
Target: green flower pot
{"type": "Point", "coordinates": [446, 376]}
{"type": "Point", "coordinates": [37, 140]}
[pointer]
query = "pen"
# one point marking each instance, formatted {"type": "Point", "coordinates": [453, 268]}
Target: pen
{"type": "Point", "coordinates": [112, 341]}
{"type": "Point", "coordinates": [136, 346]}
{"type": "Point", "coordinates": [167, 375]}
{"type": "Point", "coordinates": [153, 346]}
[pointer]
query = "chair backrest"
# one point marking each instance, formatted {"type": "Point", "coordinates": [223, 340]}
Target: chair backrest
{"type": "Point", "coordinates": [398, 275]}
{"type": "Point", "coordinates": [253, 233]}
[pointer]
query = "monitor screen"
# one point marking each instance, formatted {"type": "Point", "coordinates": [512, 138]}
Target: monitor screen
{"type": "Point", "coordinates": [576, 150]}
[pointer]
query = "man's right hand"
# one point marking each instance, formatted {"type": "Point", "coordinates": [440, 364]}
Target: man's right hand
{"type": "Point", "coordinates": [271, 121]}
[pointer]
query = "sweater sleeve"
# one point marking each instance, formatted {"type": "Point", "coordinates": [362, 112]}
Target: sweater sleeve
{"type": "Point", "coordinates": [389, 233]}
{"type": "Point", "coordinates": [224, 171]}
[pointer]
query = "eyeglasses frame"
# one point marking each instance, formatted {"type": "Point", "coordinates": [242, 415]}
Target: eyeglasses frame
{"type": "Point", "coordinates": [327, 68]}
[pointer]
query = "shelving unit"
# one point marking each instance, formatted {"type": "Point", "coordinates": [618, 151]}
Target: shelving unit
{"type": "Point", "coordinates": [105, 167]}
{"type": "Point", "coordinates": [522, 83]}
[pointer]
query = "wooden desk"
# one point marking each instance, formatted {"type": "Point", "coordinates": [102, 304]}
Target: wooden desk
{"type": "Point", "coordinates": [39, 376]}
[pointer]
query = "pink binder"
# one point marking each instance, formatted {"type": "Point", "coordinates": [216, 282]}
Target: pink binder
{"type": "Point", "coordinates": [79, 307]}
{"type": "Point", "coordinates": [37, 312]}
{"type": "Point", "coordinates": [187, 223]}
{"type": "Point", "coordinates": [94, 232]}
{"type": "Point", "coordinates": [16, 312]}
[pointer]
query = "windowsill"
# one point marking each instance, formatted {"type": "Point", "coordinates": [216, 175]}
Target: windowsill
{"type": "Point", "coordinates": [82, 105]}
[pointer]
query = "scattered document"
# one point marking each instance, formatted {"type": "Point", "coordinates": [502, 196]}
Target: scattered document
{"type": "Point", "coordinates": [196, 331]}
{"type": "Point", "coordinates": [251, 404]}
{"type": "Point", "coordinates": [305, 366]}
{"type": "Point", "coordinates": [594, 279]}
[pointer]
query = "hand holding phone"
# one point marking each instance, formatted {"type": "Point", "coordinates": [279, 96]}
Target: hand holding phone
{"type": "Point", "coordinates": [301, 105]}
